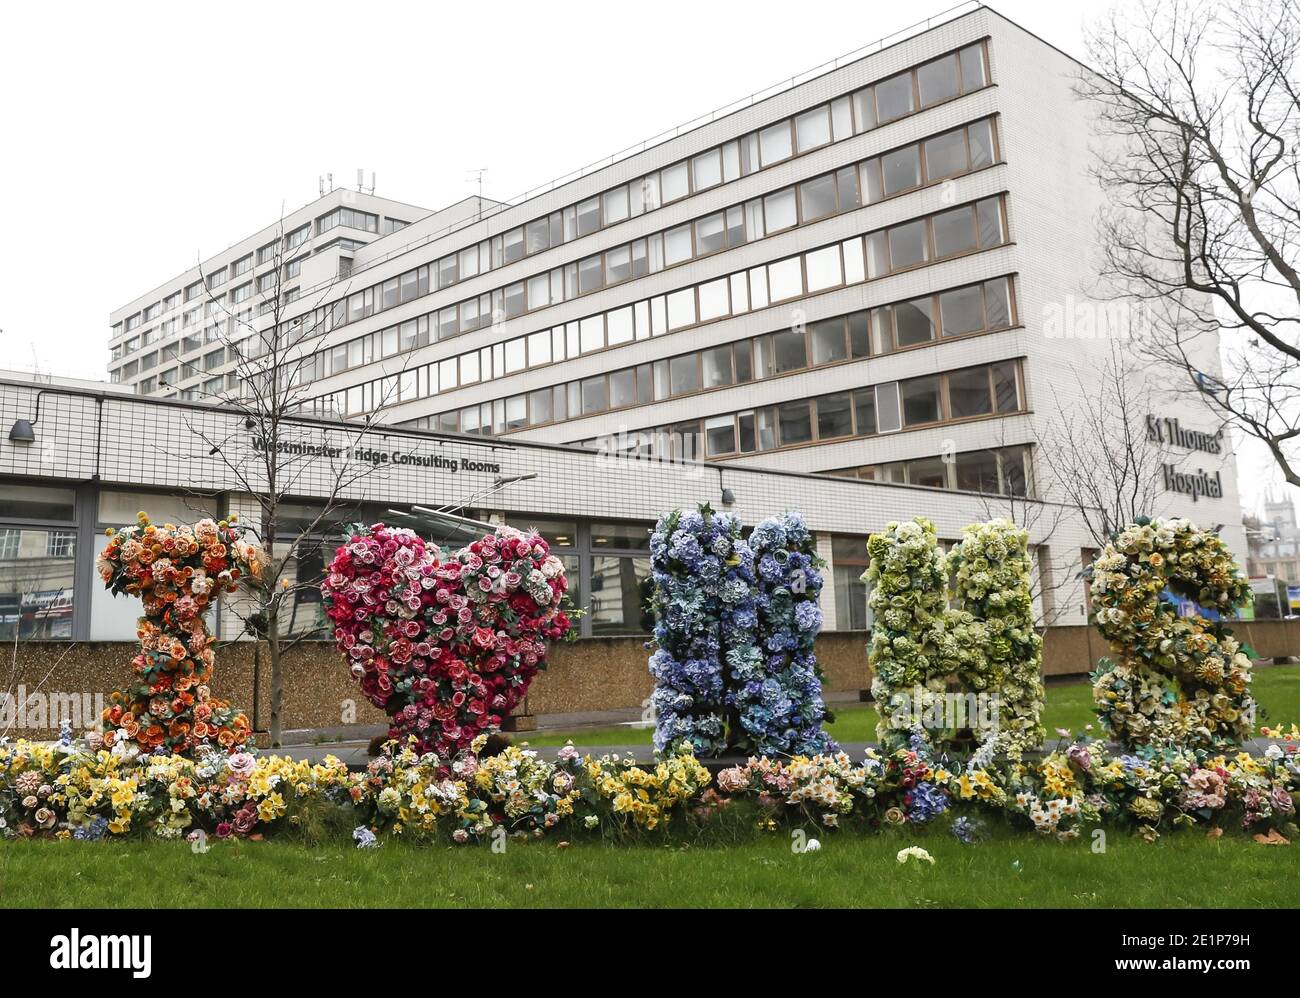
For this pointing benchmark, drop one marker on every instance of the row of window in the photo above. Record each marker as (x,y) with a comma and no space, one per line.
(1002,471)
(954,232)
(961,311)
(366,221)
(919,164)
(353,218)
(908,92)
(905,93)
(959,150)
(958,311)
(876,409)
(234,320)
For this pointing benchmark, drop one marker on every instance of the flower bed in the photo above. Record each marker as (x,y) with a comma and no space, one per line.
(82,790)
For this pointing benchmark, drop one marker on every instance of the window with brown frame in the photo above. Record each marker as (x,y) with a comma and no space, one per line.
(819,343)
(1002,471)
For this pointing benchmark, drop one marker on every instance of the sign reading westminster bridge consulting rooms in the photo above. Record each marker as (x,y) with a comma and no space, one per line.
(374,450)
(1168,431)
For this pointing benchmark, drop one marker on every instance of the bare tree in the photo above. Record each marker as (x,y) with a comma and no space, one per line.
(273,452)
(1199,105)
(1100,457)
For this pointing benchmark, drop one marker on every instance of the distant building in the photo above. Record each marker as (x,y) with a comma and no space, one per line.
(1273,540)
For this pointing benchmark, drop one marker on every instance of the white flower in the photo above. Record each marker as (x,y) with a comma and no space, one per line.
(812,845)
(1274,751)
(916,853)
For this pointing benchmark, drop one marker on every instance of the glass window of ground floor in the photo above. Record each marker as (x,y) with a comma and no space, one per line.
(38,558)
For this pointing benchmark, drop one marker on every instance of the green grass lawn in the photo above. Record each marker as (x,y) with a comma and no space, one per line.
(1277,688)
(849,870)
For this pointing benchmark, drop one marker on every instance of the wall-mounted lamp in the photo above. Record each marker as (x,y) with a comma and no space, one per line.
(728,497)
(24,431)
(21,432)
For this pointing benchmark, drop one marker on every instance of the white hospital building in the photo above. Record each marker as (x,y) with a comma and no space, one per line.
(863,295)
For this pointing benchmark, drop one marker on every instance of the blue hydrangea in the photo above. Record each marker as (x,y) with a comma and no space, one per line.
(965,830)
(92,832)
(808,616)
(735,624)
(704,617)
(783,714)
(925,802)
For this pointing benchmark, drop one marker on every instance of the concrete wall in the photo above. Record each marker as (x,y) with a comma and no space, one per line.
(587,675)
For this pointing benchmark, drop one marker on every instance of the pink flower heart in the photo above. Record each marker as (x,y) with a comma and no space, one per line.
(428,675)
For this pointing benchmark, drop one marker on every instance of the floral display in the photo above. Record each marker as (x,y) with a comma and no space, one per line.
(87,791)
(415,794)
(1178,681)
(84,790)
(178,572)
(1074,787)
(780,707)
(522,793)
(420,794)
(643,798)
(818,789)
(735,624)
(986,641)
(705,621)
(1154,789)
(912,647)
(445,644)
(991,581)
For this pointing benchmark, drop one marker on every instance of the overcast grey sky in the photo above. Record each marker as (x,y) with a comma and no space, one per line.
(141,136)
